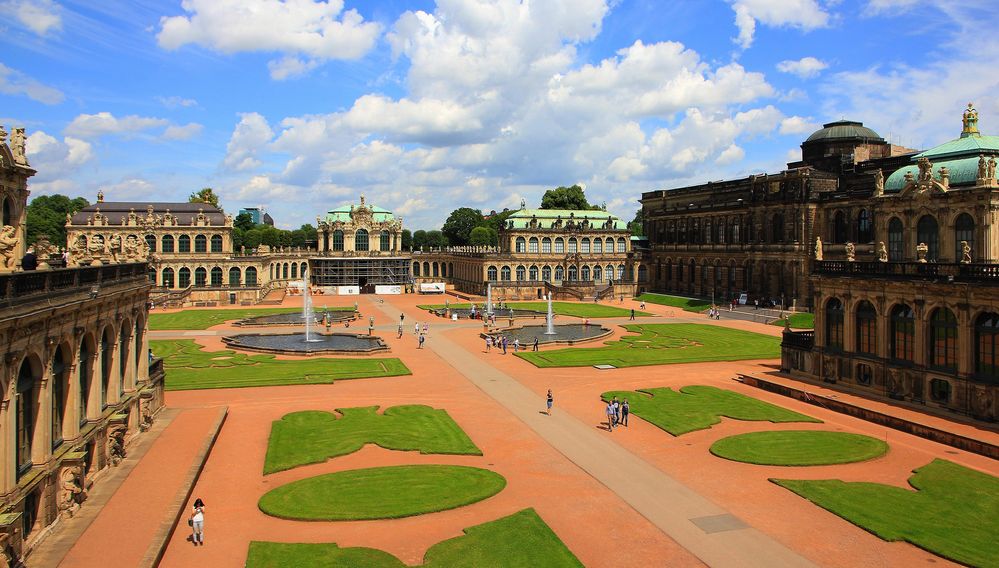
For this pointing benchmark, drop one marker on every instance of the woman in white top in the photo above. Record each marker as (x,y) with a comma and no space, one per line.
(198,522)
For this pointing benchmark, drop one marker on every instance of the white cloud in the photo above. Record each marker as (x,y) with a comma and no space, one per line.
(57,161)
(320,30)
(177,102)
(185,132)
(875,7)
(290,66)
(797,125)
(14,82)
(730,155)
(130,189)
(804,14)
(806,67)
(104,123)
(247,138)
(39,16)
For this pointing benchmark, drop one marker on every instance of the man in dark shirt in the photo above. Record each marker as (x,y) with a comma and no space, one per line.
(29,261)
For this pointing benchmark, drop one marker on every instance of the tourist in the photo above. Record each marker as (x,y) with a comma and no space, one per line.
(400,332)
(426,328)
(197,523)
(632,314)
(617,411)
(586,322)
(504,345)
(416,328)
(422,339)
(641,306)
(29,261)
(489,343)
(402,318)
(550,402)
(625,411)
(756,304)
(610,416)
(516,344)
(535,347)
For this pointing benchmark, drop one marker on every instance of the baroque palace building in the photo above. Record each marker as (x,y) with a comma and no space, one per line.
(893,250)
(78,383)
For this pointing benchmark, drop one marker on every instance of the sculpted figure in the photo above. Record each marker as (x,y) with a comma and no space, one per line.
(925,169)
(983,171)
(965,253)
(991,173)
(71,487)
(818,248)
(8,246)
(882,252)
(851,252)
(116,444)
(879,183)
(921,250)
(17,146)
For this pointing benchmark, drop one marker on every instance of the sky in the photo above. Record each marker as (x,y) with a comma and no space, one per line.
(300,106)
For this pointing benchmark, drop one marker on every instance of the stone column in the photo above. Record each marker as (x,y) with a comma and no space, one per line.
(8,425)
(41,440)
(96,375)
(143,365)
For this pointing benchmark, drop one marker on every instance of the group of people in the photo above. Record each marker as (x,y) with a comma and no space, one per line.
(617,413)
(714,313)
(501,342)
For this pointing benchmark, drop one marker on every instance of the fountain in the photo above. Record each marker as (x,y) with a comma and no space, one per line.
(550,318)
(307,308)
(489,299)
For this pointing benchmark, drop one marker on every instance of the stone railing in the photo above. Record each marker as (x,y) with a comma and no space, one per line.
(803,340)
(20,286)
(951,272)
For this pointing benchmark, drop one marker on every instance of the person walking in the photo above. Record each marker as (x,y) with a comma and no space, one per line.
(535,347)
(625,411)
(504,344)
(632,314)
(426,328)
(400,331)
(516,344)
(422,339)
(617,411)
(610,416)
(416,328)
(29,261)
(489,343)
(550,401)
(197,523)
(402,319)
(641,306)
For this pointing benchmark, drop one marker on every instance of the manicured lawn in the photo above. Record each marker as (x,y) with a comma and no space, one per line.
(575,309)
(953,513)
(189,367)
(521,540)
(798,321)
(697,407)
(659,344)
(204,319)
(799,447)
(381,493)
(314,436)
(686,304)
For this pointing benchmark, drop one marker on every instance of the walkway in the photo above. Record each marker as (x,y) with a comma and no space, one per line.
(706,530)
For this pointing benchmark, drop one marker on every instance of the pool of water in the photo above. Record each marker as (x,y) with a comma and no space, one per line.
(466,313)
(296,318)
(568,333)
(295,344)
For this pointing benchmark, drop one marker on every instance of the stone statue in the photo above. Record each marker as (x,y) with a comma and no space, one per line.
(8,247)
(983,167)
(6,558)
(146,415)
(116,444)
(909,177)
(818,248)
(43,251)
(921,250)
(71,486)
(969,120)
(114,247)
(879,183)
(3,135)
(130,248)
(991,173)
(17,146)
(882,252)
(925,169)
(965,252)
(851,252)
(944,176)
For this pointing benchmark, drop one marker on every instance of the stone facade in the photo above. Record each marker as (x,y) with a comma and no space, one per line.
(15,171)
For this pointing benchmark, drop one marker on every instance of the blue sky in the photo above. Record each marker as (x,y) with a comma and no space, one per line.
(301,105)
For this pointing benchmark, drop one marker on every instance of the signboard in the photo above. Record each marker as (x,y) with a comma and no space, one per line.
(388,289)
(743,298)
(432,288)
(348,290)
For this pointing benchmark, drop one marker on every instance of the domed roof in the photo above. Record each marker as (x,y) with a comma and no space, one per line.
(844,130)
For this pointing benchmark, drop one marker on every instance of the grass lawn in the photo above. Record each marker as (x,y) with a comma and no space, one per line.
(697,407)
(799,447)
(798,321)
(953,513)
(659,344)
(521,540)
(188,367)
(576,309)
(381,493)
(686,304)
(204,319)
(313,436)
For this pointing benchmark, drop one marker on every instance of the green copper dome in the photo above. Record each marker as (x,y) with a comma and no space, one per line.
(844,130)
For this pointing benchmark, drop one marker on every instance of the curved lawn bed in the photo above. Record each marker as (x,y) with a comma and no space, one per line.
(381,493)
(799,448)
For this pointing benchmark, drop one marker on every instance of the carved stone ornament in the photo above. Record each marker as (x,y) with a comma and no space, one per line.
(116,444)
(851,252)
(818,248)
(921,251)
(879,183)
(965,252)
(882,252)
(8,247)
(71,492)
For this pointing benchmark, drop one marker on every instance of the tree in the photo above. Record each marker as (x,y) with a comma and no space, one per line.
(436,240)
(460,223)
(206,195)
(419,239)
(407,240)
(243,221)
(571,197)
(497,221)
(637,227)
(481,236)
(310,233)
(298,238)
(46,215)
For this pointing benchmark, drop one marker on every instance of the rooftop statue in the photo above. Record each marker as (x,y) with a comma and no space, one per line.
(970,122)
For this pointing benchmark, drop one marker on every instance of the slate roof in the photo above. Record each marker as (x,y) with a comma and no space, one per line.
(115,211)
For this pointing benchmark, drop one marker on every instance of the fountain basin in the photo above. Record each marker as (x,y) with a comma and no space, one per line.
(466,313)
(296,319)
(566,334)
(319,344)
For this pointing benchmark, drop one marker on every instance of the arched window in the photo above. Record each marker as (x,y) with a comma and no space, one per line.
(8,212)
(643,273)
(573,248)
(609,273)
(731,275)
(692,272)
(903,332)
(200,243)
(609,245)
(839,227)
(546,273)
(416,269)
(964,230)
(361,240)
(234,277)
(559,274)
(107,351)
(338,240)
(987,346)
(183,243)
(533,273)
(437,270)
(584,246)
(532,245)
(200,277)
(444,269)
(152,274)
(505,273)
(943,339)
(867,328)
(598,246)
(60,380)
(184,277)
(294,270)
(834,324)
(216,243)
(123,345)
(167,243)
(622,246)
(559,245)
(896,240)
(24,401)
(778,228)
(926,232)
(521,244)
(83,369)
(301,268)
(521,273)
(284,271)
(167,278)
(679,270)
(584,273)
(151,242)
(491,274)
(573,274)
(620,272)
(598,273)
(216,277)
(426,268)
(546,245)
(865,233)
(385,243)
(251,276)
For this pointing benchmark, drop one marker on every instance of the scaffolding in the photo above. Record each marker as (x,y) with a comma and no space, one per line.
(359,271)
